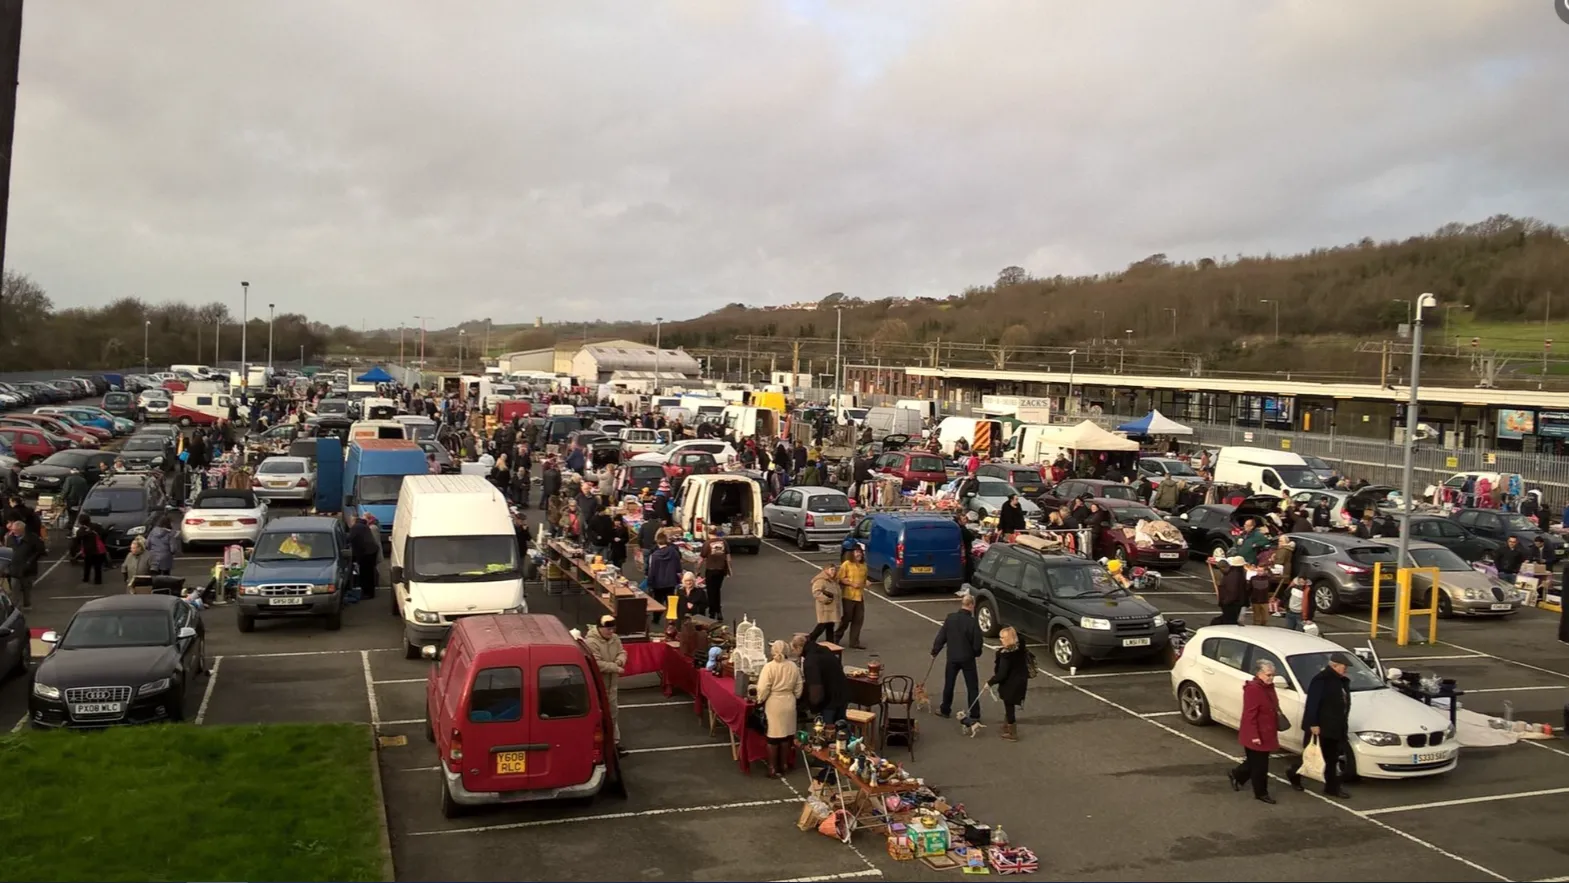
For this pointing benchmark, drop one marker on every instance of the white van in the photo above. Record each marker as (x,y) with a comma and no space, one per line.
(704,408)
(454,554)
(1030,443)
(377,408)
(927,407)
(660,403)
(1267,471)
(893,421)
(561,411)
(732,504)
(200,408)
(364,429)
(951,429)
(741,421)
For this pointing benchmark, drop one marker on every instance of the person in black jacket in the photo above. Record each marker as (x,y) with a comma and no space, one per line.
(961,637)
(87,543)
(1509,560)
(827,692)
(1010,678)
(365,547)
(600,531)
(1010,519)
(1326,714)
(549,481)
(1233,591)
(27,549)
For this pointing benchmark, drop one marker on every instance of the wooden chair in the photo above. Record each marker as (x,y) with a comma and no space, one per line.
(898,712)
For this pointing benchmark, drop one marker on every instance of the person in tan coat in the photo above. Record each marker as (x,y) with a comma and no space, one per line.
(611,658)
(779,685)
(825,597)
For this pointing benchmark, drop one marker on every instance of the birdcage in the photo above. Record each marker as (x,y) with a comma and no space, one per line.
(751,649)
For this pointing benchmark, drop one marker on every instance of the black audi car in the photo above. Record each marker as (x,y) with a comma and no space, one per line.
(124,659)
(145,452)
(47,477)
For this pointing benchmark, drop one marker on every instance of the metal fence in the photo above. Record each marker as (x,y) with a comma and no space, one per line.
(1378,461)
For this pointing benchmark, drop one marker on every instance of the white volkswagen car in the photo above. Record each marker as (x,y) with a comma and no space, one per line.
(223,517)
(1392,735)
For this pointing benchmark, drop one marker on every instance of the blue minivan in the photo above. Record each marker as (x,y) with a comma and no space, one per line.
(912,550)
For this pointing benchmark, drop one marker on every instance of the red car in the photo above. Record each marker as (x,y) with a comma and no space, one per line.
(1119,541)
(97,432)
(30,443)
(53,424)
(913,467)
(688,462)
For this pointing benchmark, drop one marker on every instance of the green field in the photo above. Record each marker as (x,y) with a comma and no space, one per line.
(281,802)
(1523,338)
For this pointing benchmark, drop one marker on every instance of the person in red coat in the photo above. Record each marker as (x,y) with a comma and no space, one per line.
(1257,732)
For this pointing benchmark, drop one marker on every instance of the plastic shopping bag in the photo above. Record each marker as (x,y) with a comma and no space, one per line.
(1312,761)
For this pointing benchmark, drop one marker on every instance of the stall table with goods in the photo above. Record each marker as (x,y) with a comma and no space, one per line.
(852,788)
(632,608)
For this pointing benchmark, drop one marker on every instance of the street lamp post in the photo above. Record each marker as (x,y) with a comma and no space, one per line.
(1265,300)
(422,342)
(245,315)
(1067,404)
(659,322)
(269,335)
(147,327)
(838,359)
(1426,301)
(461,332)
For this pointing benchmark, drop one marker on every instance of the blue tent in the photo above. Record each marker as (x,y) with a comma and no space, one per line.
(374,375)
(1154,423)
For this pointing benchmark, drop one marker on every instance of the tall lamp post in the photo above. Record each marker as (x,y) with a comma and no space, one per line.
(269,337)
(147,327)
(245,316)
(659,322)
(422,342)
(1265,300)
(1425,302)
(1067,403)
(838,359)
(461,332)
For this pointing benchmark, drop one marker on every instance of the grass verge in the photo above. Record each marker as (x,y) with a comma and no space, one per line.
(277,802)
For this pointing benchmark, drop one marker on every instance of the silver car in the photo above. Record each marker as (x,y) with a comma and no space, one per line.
(985,496)
(1464,591)
(285,478)
(808,515)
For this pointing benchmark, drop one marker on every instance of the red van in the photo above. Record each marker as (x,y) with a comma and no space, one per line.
(518,713)
(507,411)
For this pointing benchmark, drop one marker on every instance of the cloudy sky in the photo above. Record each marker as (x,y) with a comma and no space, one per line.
(366,161)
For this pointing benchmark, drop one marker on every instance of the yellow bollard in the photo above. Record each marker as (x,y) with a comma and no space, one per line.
(1403,611)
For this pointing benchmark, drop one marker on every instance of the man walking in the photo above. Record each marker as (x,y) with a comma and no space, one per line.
(1326,714)
(27,549)
(961,637)
(365,546)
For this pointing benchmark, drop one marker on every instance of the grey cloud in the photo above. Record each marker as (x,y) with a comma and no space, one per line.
(366,161)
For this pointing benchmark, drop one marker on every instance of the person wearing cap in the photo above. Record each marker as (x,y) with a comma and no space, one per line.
(1326,715)
(611,657)
(1232,593)
(365,547)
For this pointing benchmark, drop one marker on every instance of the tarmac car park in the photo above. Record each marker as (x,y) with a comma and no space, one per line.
(1100,744)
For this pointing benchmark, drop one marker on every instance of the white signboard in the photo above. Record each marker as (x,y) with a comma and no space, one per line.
(1012,404)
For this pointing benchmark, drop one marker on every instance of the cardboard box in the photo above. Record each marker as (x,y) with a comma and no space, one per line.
(927,839)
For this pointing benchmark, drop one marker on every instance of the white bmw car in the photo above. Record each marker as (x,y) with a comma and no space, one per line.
(1392,735)
(223,517)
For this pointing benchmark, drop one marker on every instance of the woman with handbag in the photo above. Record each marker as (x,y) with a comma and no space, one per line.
(1258,732)
(825,600)
(779,685)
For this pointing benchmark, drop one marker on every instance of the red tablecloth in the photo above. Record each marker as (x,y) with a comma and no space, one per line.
(719,695)
(662,658)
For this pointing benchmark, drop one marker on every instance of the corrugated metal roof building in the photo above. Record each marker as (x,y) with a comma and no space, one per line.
(596,363)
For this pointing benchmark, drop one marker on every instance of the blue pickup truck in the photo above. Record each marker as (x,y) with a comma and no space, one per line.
(301,567)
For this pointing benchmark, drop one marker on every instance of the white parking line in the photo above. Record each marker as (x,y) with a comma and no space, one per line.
(370,690)
(1186,594)
(401,681)
(1114,674)
(212,678)
(74,597)
(678,748)
(823,878)
(1517,689)
(419,769)
(395,723)
(1503,659)
(308,653)
(1464,801)
(687,703)
(1545,747)
(17,727)
(1388,659)
(612,816)
(1412,838)
(1151,714)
